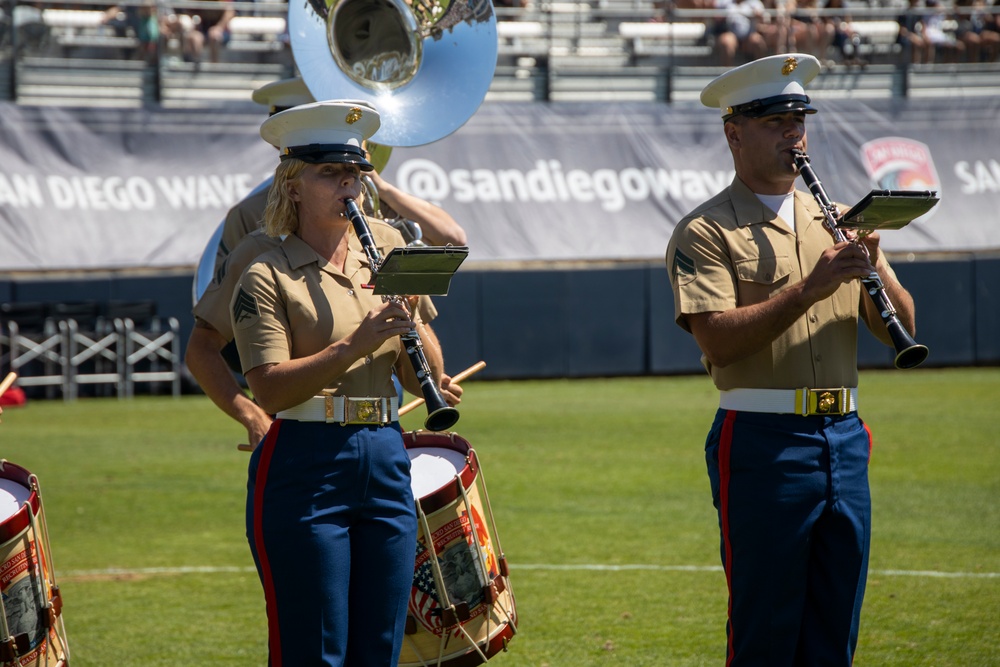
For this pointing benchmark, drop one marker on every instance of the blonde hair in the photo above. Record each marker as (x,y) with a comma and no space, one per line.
(281,216)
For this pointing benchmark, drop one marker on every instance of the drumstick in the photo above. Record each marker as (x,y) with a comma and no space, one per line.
(471,370)
(7,382)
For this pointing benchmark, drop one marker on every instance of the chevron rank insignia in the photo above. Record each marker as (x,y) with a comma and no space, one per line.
(245,311)
(684,266)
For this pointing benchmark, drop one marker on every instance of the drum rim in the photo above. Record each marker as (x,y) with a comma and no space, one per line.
(450,491)
(18,522)
(470,658)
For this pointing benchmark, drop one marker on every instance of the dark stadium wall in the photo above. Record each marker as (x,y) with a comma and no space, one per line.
(600,322)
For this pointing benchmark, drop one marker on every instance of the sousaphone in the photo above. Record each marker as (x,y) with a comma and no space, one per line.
(425,65)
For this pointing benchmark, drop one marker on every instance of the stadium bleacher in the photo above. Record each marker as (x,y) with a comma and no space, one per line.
(67,53)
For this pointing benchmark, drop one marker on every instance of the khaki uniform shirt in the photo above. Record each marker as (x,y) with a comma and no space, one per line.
(734,251)
(291,303)
(243,218)
(213,306)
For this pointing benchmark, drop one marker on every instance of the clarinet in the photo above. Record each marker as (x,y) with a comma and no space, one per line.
(440,415)
(909,353)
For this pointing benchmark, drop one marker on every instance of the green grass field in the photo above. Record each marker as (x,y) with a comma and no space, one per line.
(602,504)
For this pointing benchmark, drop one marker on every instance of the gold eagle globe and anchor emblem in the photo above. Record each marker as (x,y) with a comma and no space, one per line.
(789,66)
(826,402)
(353,116)
(366,410)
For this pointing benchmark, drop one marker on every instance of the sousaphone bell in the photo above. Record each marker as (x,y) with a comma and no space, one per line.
(425,66)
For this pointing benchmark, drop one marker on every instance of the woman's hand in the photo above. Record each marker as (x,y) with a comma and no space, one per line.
(381,324)
(871,243)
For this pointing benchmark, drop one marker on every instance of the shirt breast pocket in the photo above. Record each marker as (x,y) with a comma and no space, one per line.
(762,277)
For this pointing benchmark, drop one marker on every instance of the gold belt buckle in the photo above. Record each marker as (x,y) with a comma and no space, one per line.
(827,402)
(362,410)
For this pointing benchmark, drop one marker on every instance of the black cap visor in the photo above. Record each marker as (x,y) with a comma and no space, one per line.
(323,153)
(771,105)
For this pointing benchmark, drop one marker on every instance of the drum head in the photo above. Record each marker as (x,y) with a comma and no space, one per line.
(432,468)
(12,497)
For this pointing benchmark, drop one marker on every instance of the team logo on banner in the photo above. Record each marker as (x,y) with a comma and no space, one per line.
(895,163)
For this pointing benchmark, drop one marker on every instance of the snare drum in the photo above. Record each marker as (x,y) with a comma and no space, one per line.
(31,627)
(461,609)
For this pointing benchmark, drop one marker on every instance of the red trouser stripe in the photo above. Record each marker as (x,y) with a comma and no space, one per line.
(871,441)
(270,599)
(725,445)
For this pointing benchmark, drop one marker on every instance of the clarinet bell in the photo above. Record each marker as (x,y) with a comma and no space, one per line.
(909,353)
(441,418)
(912,357)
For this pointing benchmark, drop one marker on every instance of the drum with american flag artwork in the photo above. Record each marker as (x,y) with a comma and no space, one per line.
(462,609)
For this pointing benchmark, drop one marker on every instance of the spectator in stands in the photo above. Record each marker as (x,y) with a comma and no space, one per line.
(778,31)
(845,40)
(992,24)
(977,31)
(714,26)
(23,26)
(210,28)
(812,33)
(740,34)
(940,40)
(795,26)
(911,35)
(662,7)
(144,22)
(510,4)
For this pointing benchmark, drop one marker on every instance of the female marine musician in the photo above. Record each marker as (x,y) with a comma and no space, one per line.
(330,514)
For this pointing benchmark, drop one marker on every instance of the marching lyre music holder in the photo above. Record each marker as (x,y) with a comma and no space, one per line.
(909,353)
(888,209)
(418,270)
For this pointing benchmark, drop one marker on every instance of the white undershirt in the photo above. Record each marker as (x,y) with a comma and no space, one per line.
(783,205)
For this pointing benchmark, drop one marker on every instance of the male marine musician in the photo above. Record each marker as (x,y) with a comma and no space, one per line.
(773,303)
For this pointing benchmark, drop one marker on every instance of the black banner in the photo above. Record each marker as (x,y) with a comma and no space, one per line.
(139,188)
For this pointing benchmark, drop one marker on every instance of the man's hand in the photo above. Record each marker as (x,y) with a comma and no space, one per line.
(450,391)
(838,264)
(257,426)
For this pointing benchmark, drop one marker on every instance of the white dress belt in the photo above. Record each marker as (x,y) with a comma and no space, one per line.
(805,401)
(344,410)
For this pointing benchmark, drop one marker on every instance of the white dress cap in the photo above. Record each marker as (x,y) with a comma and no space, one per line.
(332,131)
(283,94)
(770,85)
